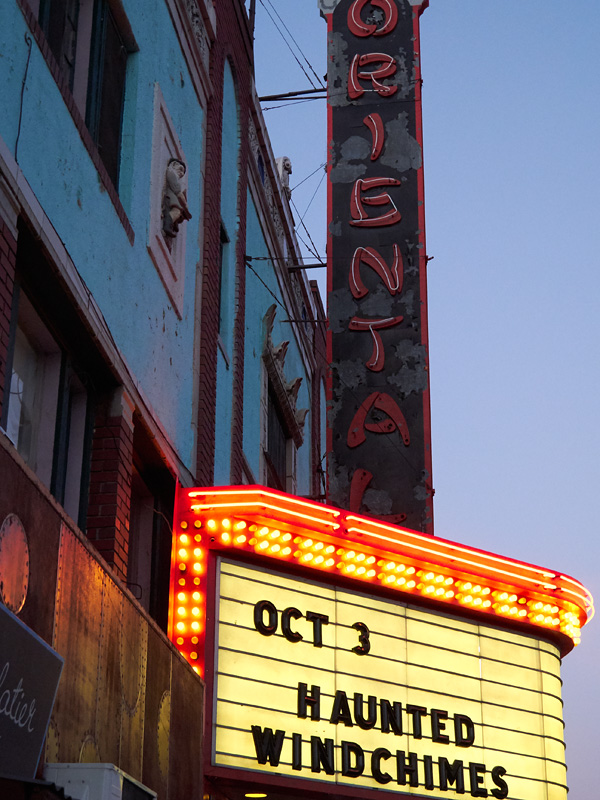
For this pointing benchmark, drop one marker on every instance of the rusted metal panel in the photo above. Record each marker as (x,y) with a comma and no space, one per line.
(157,726)
(187,719)
(78,637)
(133,653)
(117,701)
(108,704)
(41,524)
(378,415)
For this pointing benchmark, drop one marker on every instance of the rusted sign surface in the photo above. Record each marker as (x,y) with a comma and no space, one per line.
(379,422)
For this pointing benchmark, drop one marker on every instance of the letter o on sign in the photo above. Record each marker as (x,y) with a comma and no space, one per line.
(269,628)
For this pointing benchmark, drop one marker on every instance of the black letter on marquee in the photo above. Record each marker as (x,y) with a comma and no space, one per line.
(259,609)
(296,751)
(378,754)
(348,749)
(428,764)
(341,710)
(321,753)
(477,790)
(437,726)
(463,739)
(290,635)
(502,790)
(451,774)
(313,700)
(412,768)
(417,712)
(363,637)
(268,747)
(365,724)
(317,620)
(391,717)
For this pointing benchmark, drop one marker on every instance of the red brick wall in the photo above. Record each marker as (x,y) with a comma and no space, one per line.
(110,484)
(233,44)
(8,257)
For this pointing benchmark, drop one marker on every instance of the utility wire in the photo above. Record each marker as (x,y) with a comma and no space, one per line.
(274,296)
(288,45)
(293,103)
(313,197)
(294,98)
(314,172)
(319,80)
(308,247)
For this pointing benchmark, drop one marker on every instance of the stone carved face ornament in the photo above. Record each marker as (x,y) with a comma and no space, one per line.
(284,168)
(174,206)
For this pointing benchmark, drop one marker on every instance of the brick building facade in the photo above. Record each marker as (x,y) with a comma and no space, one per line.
(140,347)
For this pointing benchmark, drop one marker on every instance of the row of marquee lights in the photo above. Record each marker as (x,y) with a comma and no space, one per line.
(263,522)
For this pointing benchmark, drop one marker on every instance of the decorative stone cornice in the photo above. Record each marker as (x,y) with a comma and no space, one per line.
(286,392)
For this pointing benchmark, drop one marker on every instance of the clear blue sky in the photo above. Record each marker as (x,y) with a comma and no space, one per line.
(511,104)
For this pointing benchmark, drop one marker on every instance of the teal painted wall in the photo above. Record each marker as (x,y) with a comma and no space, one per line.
(157,345)
(230,178)
(258,300)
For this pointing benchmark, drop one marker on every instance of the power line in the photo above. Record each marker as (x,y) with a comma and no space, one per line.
(293,103)
(288,45)
(313,197)
(268,97)
(314,172)
(319,80)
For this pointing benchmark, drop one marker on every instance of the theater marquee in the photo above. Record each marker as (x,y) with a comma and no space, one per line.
(348,689)
(345,654)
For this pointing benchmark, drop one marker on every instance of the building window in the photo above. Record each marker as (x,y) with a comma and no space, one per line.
(91,40)
(48,414)
(225,291)
(106,87)
(59,20)
(280,453)
(150,534)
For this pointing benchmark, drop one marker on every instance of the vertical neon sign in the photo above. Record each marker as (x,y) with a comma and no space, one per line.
(379,422)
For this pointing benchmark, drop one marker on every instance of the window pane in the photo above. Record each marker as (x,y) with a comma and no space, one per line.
(277,444)
(106,88)
(113,92)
